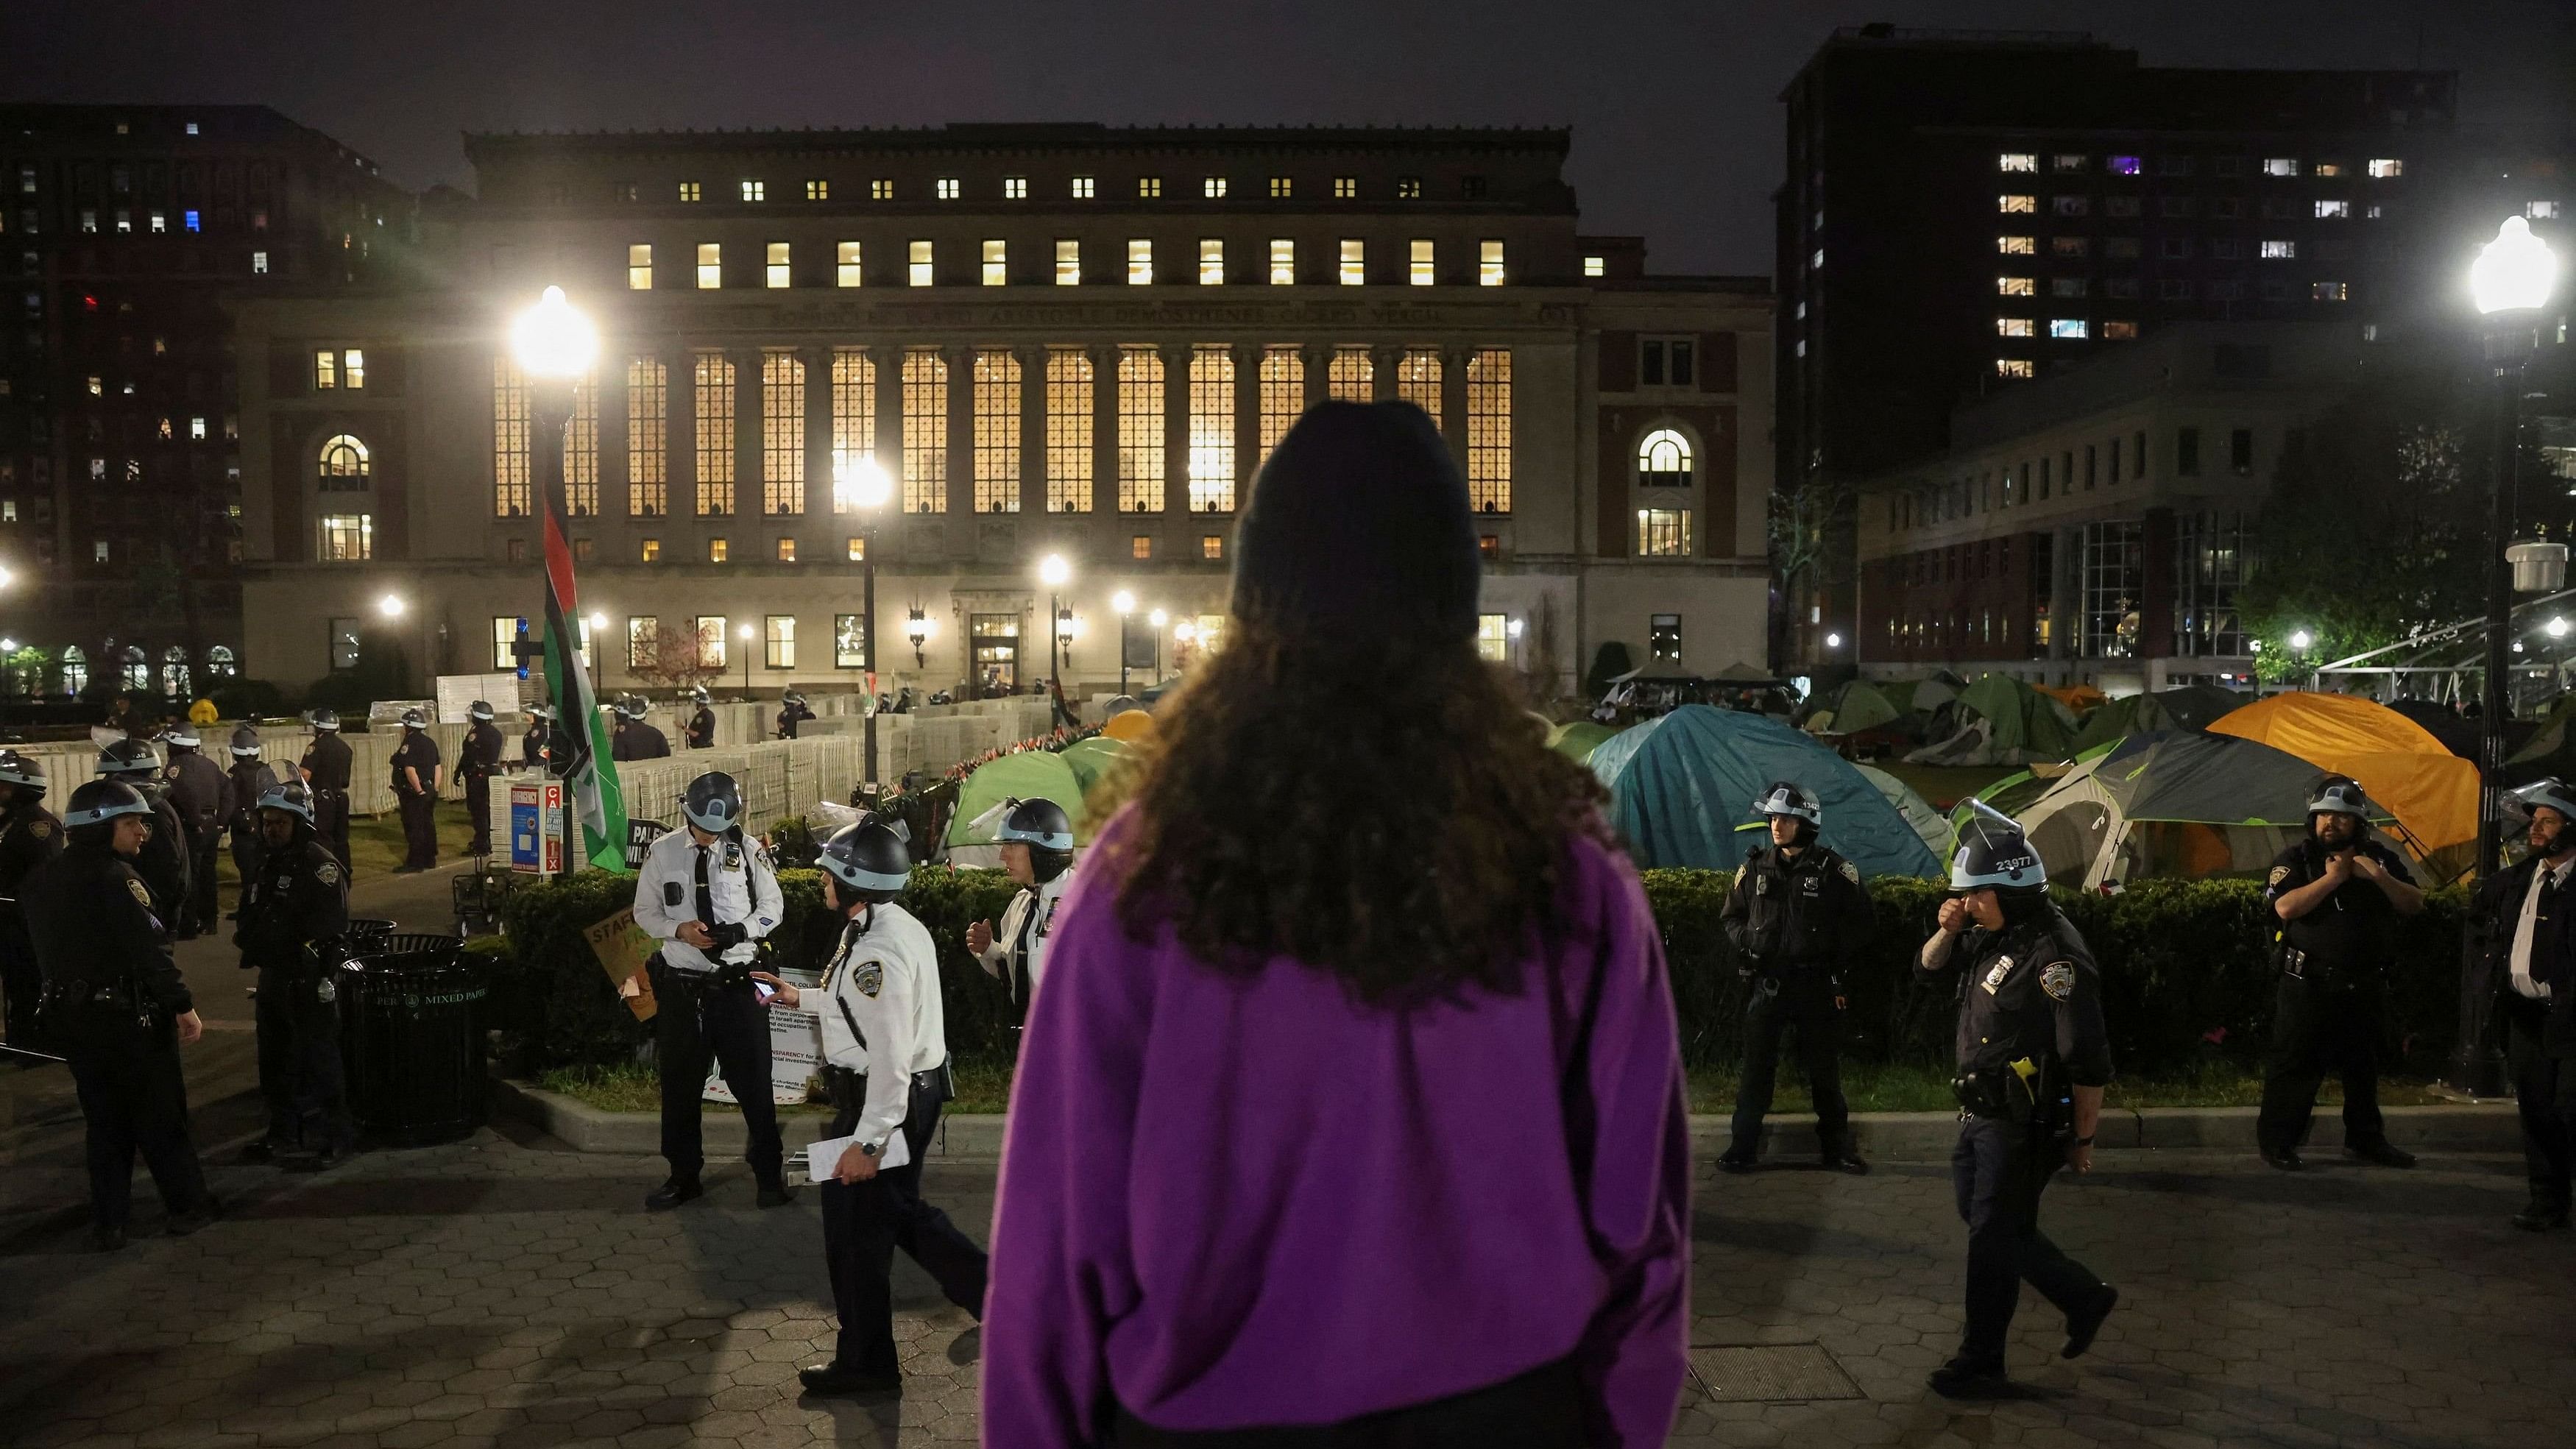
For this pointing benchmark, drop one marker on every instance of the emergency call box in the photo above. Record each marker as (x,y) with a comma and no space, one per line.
(537,826)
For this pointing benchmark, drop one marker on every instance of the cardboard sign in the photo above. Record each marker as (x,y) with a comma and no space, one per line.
(621,948)
(795,1046)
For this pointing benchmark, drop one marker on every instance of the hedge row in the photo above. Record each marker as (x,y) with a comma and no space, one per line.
(2187,977)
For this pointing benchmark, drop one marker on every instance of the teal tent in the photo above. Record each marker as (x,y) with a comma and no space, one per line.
(1681,783)
(1578,739)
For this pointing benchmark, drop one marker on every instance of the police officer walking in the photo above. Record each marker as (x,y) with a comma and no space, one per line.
(2527,928)
(1037,850)
(885,1054)
(1798,917)
(30,836)
(163,861)
(476,764)
(2033,1058)
(415,770)
(201,794)
(709,896)
(251,778)
(2338,895)
(325,768)
(638,740)
(116,1003)
(293,914)
(702,722)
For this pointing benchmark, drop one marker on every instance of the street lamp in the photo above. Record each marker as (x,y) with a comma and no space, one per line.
(744,634)
(391,606)
(917,628)
(1122,603)
(555,347)
(1158,619)
(1055,573)
(861,485)
(2300,639)
(598,667)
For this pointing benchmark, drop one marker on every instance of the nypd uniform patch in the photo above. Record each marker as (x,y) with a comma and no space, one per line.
(328,872)
(40,828)
(141,896)
(1851,872)
(1996,973)
(2280,873)
(2057,978)
(870,979)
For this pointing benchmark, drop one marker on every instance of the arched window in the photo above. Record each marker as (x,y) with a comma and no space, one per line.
(1664,460)
(344,463)
(132,669)
(221,665)
(75,670)
(174,672)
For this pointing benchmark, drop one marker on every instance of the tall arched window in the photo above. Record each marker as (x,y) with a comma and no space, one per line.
(174,672)
(221,664)
(75,670)
(1664,460)
(344,463)
(132,669)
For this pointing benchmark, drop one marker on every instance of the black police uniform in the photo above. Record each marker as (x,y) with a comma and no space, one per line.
(326,772)
(702,729)
(645,742)
(113,997)
(251,778)
(201,794)
(30,837)
(2030,993)
(2539,1030)
(2327,1016)
(419,807)
(292,916)
(477,763)
(789,717)
(1796,923)
(163,861)
(532,747)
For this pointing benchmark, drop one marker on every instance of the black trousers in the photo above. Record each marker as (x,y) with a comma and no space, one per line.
(2544,1089)
(1541,1409)
(22,982)
(729,1027)
(420,829)
(300,1073)
(864,1222)
(247,854)
(1808,1009)
(134,1098)
(478,809)
(331,825)
(2316,1030)
(1998,1170)
(201,877)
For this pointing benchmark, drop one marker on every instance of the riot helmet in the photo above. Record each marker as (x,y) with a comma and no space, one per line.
(127,759)
(1045,829)
(2341,795)
(480,709)
(245,743)
(698,694)
(1785,798)
(1993,853)
(326,721)
(290,797)
(181,737)
(90,817)
(412,719)
(25,774)
(715,803)
(870,860)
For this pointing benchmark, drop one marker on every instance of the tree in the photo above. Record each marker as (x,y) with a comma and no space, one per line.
(686,668)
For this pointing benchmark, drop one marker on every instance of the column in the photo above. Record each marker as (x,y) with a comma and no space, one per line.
(961,446)
(818,444)
(1383,362)
(2156,589)
(1319,366)
(1176,451)
(1104,432)
(1453,401)
(1033,428)
(1247,419)
(749,478)
(888,362)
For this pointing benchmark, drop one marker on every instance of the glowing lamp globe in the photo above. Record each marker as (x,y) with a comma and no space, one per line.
(2514,273)
(552,340)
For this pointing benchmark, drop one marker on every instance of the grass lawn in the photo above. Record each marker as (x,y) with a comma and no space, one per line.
(1945,785)
(376,842)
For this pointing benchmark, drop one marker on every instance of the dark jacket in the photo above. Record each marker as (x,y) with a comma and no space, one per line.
(1790,918)
(300,897)
(250,780)
(29,837)
(702,729)
(789,717)
(2495,914)
(326,761)
(420,753)
(480,759)
(163,861)
(640,741)
(2030,990)
(103,950)
(199,791)
(2352,936)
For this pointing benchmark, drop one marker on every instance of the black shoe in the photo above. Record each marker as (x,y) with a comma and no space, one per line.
(1736,1160)
(106,1240)
(673,1193)
(2382,1153)
(830,1380)
(1965,1379)
(1843,1159)
(775,1194)
(204,1213)
(2541,1217)
(2284,1158)
(2086,1321)
(262,1150)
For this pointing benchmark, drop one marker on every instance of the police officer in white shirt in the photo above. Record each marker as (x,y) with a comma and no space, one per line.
(709,896)
(885,1054)
(1037,849)
(2529,931)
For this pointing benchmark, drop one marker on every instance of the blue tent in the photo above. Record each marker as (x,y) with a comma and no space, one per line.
(1681,784)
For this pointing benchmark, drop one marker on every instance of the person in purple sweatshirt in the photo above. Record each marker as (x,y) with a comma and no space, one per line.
(1352,1100)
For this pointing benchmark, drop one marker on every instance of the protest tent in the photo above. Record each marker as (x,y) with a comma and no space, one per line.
(1028,775)
(2432,792)
(1577,739)
(1680,784)
(2185,707)
(2006,723)
(1091,760)
(1928,823)
(1858,705)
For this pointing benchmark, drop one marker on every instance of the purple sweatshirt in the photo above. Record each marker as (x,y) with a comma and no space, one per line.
(1231,1201)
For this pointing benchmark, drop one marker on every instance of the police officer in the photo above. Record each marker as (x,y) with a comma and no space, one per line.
(1798,918)
(325,768)
(2338,895)
(414,764)
(201,794)
(708,896)
(2528,964)
(163,861)
(293,914)
(251,778)
(29,837)
(2033,1058)
(885,1055)
(116,1003)
(791,713)
(702,722)
(532,740)
(1037,850)
(638,741)
(476,764)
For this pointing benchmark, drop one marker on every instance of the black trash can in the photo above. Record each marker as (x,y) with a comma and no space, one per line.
(411,1038)
(367,936)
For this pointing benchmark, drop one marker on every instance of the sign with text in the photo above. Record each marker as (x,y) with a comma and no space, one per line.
(795,1046)
(622,947)
(537,826)
(640,835)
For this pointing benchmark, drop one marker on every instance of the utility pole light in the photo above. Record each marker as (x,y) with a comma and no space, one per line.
(1055,573)
(860,485)
(1123,603)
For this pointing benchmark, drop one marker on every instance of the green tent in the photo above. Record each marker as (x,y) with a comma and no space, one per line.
(1031,774)
(2189,707)
(1577,739)
(2007,723)
(1929,824)
(1858,705)
(1091,761)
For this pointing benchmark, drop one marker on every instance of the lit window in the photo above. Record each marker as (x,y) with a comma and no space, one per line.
(997,266)
(259,264)
(89,220)
(639,267)
(714,397)
(326,371)
(2385,167)
(2333,210)
(2017,161)
(689,191)
(1211,476)
(2017,246)
(710,266)
(1489,431)
(1212,187)
(1664,460)
(1408,188)
(2277,251)
(782,432)
(818,190)
(946,188)
(1345,188)
(2012,327)
(1070,401)
(2016,287)
(2016,203)
(648,433)
(1663,532)
(786,552)
(855,549)
(353,367)
(2119,332)
(2068,161)
(1283,262)
(996,457)
(881,189)
(846,268)
(2070,327)
(917,265)
(710,629)
(643,644)
(124,222)
(854,418)
(197,429)
(160,223)
(1281,188)
(189,220)
(1140,261)
(1489,263)
(776,271)
(1417,381)
(925,431)
(343,538)
(1419,270)
(717,550)
(2124,165)
(1140,546)
(2331,291)
(343,465)
(1211,545)
(755,190)
(1015,188)
(1596,266)
(1140,431)
(1211,261)
(651,551)
(1282,386)
(1068,262)
(2281,166)
(192,128)
(1354,262)
(2012,367)
(1149,188)
(2542,211)
(1351,376)
(98,550)
(2330,168)
(1083,188)
(512,494)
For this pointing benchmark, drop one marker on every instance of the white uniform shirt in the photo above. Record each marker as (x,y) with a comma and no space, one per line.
(1026,924)
(882,1013)
(740,881)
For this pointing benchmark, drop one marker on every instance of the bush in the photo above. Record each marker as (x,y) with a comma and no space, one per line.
(248,699)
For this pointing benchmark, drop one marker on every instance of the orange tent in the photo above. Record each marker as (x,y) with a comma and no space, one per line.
(2432,792)
(2077,697)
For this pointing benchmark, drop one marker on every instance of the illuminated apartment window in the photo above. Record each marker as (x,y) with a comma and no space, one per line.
(2012,327)
(2017,246)
(881,189)
(2016,204)
(1140,546)
(1345,188)
(648,404)
(160,223)
(1354,261)
(344,465)
(925,431)
(511,494)
(1068,262)
(945,188)
(2331,291)
(2281,166)
(2542,211)
(344,538)
(259,264)
(2119,332)
(2012,367)
(2016,287)
(1140,261)
(651,551)
(639,267)
(1596,266)
(1015,188)
(1211,261)
(1408,188)
(1083,188)
(2334,210)
(712,391)
(718,551)
(2386,167)
(2280,251)
(1351,376)
(1663,532)
(755,191)
(782,432)
(710,266)
(326,372)
(643,642)
(854,549)
(917,265)
(1489,431)
(1417,381)
(689,191)
(1211,545)
(2068,327)
(711,639)
(581,449)
(1419,268)
(775,271)
(1283,394)
(854,420)
(846,268)
(1212,187)
(1493,637)
(2123,166)
(1212,429)
(1489,263)
(1140,430)
(818,190)
(1283,261)
(787,550)
(2017,161)
(1281,188)
(1069,400)
(997,262)
(1149,188)
(996,423)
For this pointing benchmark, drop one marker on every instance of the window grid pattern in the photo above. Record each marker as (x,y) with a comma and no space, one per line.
(1069,398)
(581,450)
(510,487)
(1417,381)
(778,637)
(1283,394)
(782,432)
(997,432)
(648,411)
(347,538)
(1283,261)
(343,465)
(925,431)
(1212,429)
(854,416)
(1352,377)
(714,395)
(848,269)
(1663,532)
(643,643)
(1140,430)
(1489,431)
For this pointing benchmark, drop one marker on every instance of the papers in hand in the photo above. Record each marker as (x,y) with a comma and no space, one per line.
(823,1158)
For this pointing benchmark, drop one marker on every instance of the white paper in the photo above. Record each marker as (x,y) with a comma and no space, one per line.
(823,1158)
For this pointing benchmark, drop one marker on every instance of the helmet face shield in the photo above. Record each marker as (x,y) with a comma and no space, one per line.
(1993,853)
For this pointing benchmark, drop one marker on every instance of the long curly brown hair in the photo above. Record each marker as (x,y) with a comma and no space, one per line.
(1382,809)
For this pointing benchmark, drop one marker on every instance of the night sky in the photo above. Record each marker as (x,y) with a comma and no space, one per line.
(1674,104)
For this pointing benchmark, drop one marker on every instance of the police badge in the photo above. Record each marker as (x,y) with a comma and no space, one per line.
(1996,973)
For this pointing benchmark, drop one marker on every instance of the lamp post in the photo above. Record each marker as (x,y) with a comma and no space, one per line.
(862,484)
(1055,573)
(1158,619)
(1122,603)
(598,622)
(2511,282)
(555,345)
(744,634)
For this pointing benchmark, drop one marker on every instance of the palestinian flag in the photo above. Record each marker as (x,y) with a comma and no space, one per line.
(591,795)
